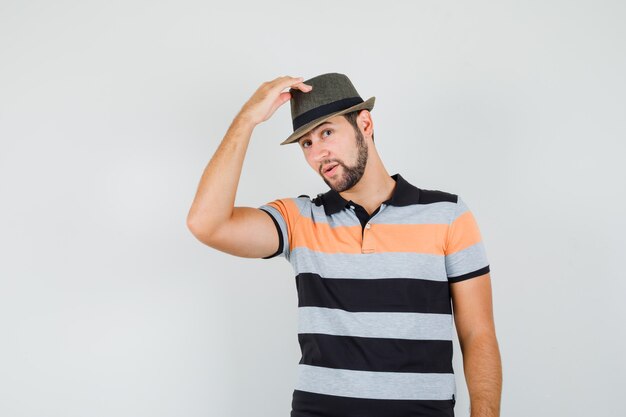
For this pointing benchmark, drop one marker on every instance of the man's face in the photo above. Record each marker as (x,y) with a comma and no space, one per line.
(336,142)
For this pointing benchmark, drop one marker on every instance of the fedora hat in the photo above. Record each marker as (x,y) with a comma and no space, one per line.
(332,94)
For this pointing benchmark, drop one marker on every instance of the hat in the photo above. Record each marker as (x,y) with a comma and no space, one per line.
(332,94)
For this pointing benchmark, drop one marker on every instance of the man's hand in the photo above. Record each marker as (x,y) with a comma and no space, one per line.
(269,96)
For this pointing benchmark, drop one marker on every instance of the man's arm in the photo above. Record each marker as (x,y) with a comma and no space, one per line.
(212,218)
(473,316)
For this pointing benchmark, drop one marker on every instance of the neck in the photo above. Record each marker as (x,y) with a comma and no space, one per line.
(374,187)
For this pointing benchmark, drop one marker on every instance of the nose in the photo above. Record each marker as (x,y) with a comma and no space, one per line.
(320,152)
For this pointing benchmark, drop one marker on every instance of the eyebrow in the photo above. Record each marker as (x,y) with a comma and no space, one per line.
(315,130)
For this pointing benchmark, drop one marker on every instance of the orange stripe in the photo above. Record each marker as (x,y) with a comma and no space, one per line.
(290,212)
(464,232)
(420,238)
(321,237)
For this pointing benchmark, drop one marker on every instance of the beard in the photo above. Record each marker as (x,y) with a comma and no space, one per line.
(351,175)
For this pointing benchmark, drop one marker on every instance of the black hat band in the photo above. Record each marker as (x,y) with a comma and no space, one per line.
(325,109)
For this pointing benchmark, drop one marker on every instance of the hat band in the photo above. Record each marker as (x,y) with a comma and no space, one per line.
(325,109)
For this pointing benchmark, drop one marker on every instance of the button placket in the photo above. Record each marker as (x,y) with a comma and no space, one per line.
(367,244)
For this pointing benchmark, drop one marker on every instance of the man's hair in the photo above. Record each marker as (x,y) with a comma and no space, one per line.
(351,117)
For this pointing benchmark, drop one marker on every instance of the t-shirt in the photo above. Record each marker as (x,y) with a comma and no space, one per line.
(375,321)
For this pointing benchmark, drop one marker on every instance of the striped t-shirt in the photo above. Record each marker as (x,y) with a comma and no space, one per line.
(374,308)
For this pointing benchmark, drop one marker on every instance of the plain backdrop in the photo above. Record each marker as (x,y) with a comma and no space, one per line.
(110,111)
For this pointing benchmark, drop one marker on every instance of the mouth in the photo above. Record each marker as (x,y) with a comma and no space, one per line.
(330,170)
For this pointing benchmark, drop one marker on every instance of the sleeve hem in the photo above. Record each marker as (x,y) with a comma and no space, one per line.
(280,236)
(473,274)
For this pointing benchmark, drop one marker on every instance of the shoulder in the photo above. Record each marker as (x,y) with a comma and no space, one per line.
(443,202)
(290,205)
(407,192)
(436,196)
(318,199)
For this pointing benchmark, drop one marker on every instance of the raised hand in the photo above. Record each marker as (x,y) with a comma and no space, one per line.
(270,96)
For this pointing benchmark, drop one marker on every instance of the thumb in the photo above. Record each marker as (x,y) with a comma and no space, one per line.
(286,96)
(280,100)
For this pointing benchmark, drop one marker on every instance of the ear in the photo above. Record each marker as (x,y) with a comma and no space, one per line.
(364,120)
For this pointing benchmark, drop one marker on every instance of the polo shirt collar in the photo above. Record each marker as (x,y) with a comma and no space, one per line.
(404,194)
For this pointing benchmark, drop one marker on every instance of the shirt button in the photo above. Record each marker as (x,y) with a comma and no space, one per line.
(367,226)
(352,207)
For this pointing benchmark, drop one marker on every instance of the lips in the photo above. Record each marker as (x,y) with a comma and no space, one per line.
(329,166)
(330,169)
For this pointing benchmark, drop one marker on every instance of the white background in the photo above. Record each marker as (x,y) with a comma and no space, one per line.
(109,112)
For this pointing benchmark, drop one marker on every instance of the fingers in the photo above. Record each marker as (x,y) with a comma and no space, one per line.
(269,96)
(302,86)
(283,82)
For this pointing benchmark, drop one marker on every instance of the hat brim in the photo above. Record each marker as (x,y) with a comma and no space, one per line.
(368,104)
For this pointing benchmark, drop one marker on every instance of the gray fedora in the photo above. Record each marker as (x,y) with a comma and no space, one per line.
(332,94)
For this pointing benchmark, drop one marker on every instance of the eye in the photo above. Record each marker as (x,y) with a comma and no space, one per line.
(304,142)
(327,130)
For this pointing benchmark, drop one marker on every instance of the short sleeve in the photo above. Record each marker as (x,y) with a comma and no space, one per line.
(465,254)
(281,213)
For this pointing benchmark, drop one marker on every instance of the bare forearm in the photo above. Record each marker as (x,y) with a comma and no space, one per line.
(214,202)
(215,197)
(483,374)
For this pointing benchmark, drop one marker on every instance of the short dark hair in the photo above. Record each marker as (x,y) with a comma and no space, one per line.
(351,117)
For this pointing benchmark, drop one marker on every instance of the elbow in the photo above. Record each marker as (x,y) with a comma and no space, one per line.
(191,223)
(200,231)
(478,340)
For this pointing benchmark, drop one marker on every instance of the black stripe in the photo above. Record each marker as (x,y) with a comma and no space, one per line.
(477,273)
(325,109)
(280,237)
(374,295)
(376,354)
(310,404)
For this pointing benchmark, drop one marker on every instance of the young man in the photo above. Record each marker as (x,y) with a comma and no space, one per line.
(378,262)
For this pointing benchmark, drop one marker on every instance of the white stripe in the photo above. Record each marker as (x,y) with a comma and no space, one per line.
(370,265)
(414,326)
(467,260)
(375,385)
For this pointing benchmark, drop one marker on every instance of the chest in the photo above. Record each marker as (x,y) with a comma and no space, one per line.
(390,243)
